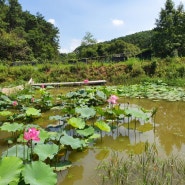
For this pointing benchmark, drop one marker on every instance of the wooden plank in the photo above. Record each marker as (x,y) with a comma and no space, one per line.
(96,82)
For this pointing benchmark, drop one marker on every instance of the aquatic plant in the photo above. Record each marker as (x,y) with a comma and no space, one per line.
(144,168)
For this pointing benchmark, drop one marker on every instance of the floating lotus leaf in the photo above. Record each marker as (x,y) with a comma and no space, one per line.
(101,94)
(10,169)
(33,112)
(73,142)
(86,132)
(5,113)
(102,126)
(12,127)
(85,112)
(38,173)
(57,117)
(62,166)
(94,136)
(21,151)
(45,151)
(76,122)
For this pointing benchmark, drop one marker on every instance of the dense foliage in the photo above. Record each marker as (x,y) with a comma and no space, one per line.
(169,34)
(24,36)
(27,37)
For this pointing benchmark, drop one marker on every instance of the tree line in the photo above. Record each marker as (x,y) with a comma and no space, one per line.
(27,37)
(167,39)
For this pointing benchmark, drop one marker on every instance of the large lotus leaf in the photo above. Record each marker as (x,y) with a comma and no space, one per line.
(21,151)
(43,135)
(45,151)
(102,126)
(38,173)
(76,122)
(86,132)
(137,113)
(33,112)
(5,113)
(12,127)
(85,112)
(73,142)
(10,169)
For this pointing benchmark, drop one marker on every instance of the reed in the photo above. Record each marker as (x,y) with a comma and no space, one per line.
(143,169)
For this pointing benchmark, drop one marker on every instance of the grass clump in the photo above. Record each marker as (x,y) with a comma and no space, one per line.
(143,169)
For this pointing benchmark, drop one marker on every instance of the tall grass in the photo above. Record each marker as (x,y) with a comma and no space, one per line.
(144,169)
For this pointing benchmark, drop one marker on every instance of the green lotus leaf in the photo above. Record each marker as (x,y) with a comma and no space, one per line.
(21,151)
(38,173)
(33,112)
(73,142)
(137,113)
(101,94)
(45,151)
(85,112)
(43,135)
(5,98)
(10,169)
(86,132)
(102,126)
(76,122)
(23,97)
(12,127)
(57,117)
(5,113)
(62,166)
(94,136)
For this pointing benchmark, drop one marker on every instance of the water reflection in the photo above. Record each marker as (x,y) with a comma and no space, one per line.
(168,135)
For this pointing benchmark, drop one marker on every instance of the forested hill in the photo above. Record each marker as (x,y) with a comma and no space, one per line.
(167,39)
(24,36)
(27,37)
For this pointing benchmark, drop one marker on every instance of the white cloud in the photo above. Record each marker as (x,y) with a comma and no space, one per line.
(117,22)
(52,21)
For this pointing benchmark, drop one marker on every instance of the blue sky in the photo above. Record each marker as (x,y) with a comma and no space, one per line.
(104,19)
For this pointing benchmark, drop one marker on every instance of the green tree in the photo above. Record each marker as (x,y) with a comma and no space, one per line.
(88,39)
(169,30)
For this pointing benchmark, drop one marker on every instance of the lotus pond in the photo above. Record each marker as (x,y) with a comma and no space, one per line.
(77,128)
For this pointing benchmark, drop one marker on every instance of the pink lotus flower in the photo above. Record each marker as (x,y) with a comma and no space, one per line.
(42,86)
(113,99)
(86,81)
(32,134)
(15,103)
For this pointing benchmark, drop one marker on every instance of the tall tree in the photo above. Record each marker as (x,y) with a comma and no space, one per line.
(169,30)
(88,39)
(14,15)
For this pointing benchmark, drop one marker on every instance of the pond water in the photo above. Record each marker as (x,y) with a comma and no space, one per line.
(168,135)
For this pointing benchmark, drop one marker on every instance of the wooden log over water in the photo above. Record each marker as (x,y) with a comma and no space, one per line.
(96,82)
